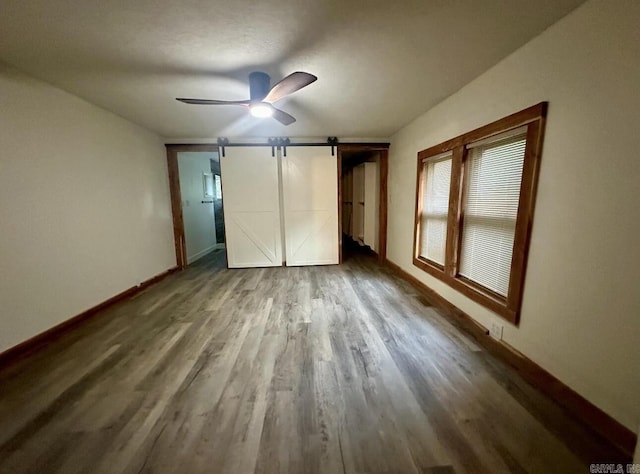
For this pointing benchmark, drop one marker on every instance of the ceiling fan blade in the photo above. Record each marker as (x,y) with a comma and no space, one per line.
(214,102)
(293,82)
(282,117)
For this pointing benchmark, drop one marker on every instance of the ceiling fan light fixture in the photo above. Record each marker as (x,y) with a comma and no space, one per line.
(261,110)
(262,97)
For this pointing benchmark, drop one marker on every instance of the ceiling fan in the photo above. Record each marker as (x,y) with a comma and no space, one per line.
(262,97)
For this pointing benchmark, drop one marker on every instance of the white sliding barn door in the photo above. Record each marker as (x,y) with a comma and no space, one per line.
(310,192)
(251,207)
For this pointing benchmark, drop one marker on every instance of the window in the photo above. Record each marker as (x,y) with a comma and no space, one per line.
(492,192)
(218,186)
(474,208)
(435,208)
(207,180)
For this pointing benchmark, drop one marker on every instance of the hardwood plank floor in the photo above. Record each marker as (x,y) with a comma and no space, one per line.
(337,369)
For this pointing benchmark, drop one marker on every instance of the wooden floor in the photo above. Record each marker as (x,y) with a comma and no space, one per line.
(338,369)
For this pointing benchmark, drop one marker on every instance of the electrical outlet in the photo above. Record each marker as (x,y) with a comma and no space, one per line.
(496,331)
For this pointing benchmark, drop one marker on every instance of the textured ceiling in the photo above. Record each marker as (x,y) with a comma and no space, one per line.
(379,63)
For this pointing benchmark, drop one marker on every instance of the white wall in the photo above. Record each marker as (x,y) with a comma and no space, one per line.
(581,309)
(199,219)
(84,206)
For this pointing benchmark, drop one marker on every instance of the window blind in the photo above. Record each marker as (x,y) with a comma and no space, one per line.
(493,179)
(435,208)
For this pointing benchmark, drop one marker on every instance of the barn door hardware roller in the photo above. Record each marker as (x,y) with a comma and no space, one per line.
(333,141)
(222,142)
(279,142)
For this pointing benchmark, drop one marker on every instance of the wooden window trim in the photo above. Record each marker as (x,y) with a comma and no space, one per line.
(507,307)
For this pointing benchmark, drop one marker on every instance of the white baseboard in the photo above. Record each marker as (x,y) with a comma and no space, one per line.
(202,253)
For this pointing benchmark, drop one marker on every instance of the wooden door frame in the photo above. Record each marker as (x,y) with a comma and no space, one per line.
(176,196)
(383,149)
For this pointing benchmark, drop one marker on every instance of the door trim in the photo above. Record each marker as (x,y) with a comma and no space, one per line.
(176,197)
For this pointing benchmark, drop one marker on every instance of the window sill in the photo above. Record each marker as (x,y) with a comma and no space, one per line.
(429,267)
(473,291)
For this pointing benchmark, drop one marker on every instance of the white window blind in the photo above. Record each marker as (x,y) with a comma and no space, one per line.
(436,174)
(493,178)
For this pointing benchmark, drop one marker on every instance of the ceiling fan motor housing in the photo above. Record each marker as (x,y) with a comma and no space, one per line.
(259,83)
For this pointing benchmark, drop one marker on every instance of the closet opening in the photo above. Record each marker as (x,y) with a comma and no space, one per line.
(363,200)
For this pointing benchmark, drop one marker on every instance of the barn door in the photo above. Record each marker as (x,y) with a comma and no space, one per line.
(310,195)
(251,207)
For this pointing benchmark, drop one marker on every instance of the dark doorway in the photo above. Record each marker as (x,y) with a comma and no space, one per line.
(363,199)
(217,203)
